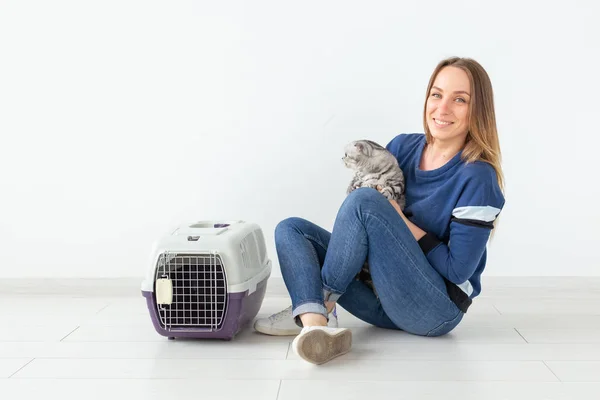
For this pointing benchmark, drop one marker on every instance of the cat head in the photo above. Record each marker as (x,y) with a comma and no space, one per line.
(361,154)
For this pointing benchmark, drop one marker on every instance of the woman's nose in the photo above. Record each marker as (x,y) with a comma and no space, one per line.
(444,107)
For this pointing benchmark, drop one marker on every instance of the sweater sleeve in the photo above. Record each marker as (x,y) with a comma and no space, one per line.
(395,145)
(478,205)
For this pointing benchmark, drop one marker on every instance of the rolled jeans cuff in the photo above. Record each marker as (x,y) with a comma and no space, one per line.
(308,308)
(330,295)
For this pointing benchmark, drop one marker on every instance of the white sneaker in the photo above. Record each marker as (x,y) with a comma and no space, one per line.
(319,344)
(282,323)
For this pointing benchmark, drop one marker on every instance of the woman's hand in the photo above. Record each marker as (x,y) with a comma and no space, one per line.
(394,203)
(417,232)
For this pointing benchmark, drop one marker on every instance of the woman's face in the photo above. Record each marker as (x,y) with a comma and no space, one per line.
(448,105)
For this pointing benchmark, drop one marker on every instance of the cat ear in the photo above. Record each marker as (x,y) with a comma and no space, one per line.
(360,146)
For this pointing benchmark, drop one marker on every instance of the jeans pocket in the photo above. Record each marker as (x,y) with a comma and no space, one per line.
(447,326)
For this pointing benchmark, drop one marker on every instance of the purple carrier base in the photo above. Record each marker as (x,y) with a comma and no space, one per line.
(241,308)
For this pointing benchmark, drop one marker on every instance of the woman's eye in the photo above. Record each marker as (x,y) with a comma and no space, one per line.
(461,100)
(435,95)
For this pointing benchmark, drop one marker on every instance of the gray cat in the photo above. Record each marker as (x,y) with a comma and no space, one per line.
(374,166)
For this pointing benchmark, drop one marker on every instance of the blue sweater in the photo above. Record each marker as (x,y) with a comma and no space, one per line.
(456,205)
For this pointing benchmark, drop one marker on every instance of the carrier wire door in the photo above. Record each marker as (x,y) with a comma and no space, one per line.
(199,291)
(206,279)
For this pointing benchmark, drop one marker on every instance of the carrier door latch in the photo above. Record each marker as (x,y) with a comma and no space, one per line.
(164,291)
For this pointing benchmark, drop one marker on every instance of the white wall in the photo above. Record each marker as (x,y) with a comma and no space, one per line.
(120,119)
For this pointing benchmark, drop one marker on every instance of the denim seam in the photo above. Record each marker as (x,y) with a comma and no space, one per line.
(319,243)
(444,323)
(314,301)
(345,261)
(407,252)
(329,289)
(314,252)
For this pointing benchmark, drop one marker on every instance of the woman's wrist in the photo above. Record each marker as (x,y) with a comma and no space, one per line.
(417,232)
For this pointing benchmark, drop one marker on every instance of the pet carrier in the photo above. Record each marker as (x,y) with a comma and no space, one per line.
(207,279)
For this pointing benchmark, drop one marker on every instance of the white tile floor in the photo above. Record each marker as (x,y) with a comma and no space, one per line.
(536,338)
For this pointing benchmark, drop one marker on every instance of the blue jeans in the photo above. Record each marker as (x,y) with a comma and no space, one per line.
(319,266)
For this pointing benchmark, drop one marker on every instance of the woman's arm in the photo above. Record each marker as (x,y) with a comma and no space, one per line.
(417,232)
(471,223)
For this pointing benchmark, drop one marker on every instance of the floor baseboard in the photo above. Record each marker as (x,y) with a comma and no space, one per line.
(98,287)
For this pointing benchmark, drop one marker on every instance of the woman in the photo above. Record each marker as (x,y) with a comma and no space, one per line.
(426,260)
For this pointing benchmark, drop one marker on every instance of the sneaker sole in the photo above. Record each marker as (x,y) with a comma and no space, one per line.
(269,330)
(319,347)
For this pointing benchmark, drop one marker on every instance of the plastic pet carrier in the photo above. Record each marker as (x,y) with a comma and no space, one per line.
(207,279)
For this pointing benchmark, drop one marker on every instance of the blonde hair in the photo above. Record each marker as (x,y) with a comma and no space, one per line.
(482,142)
